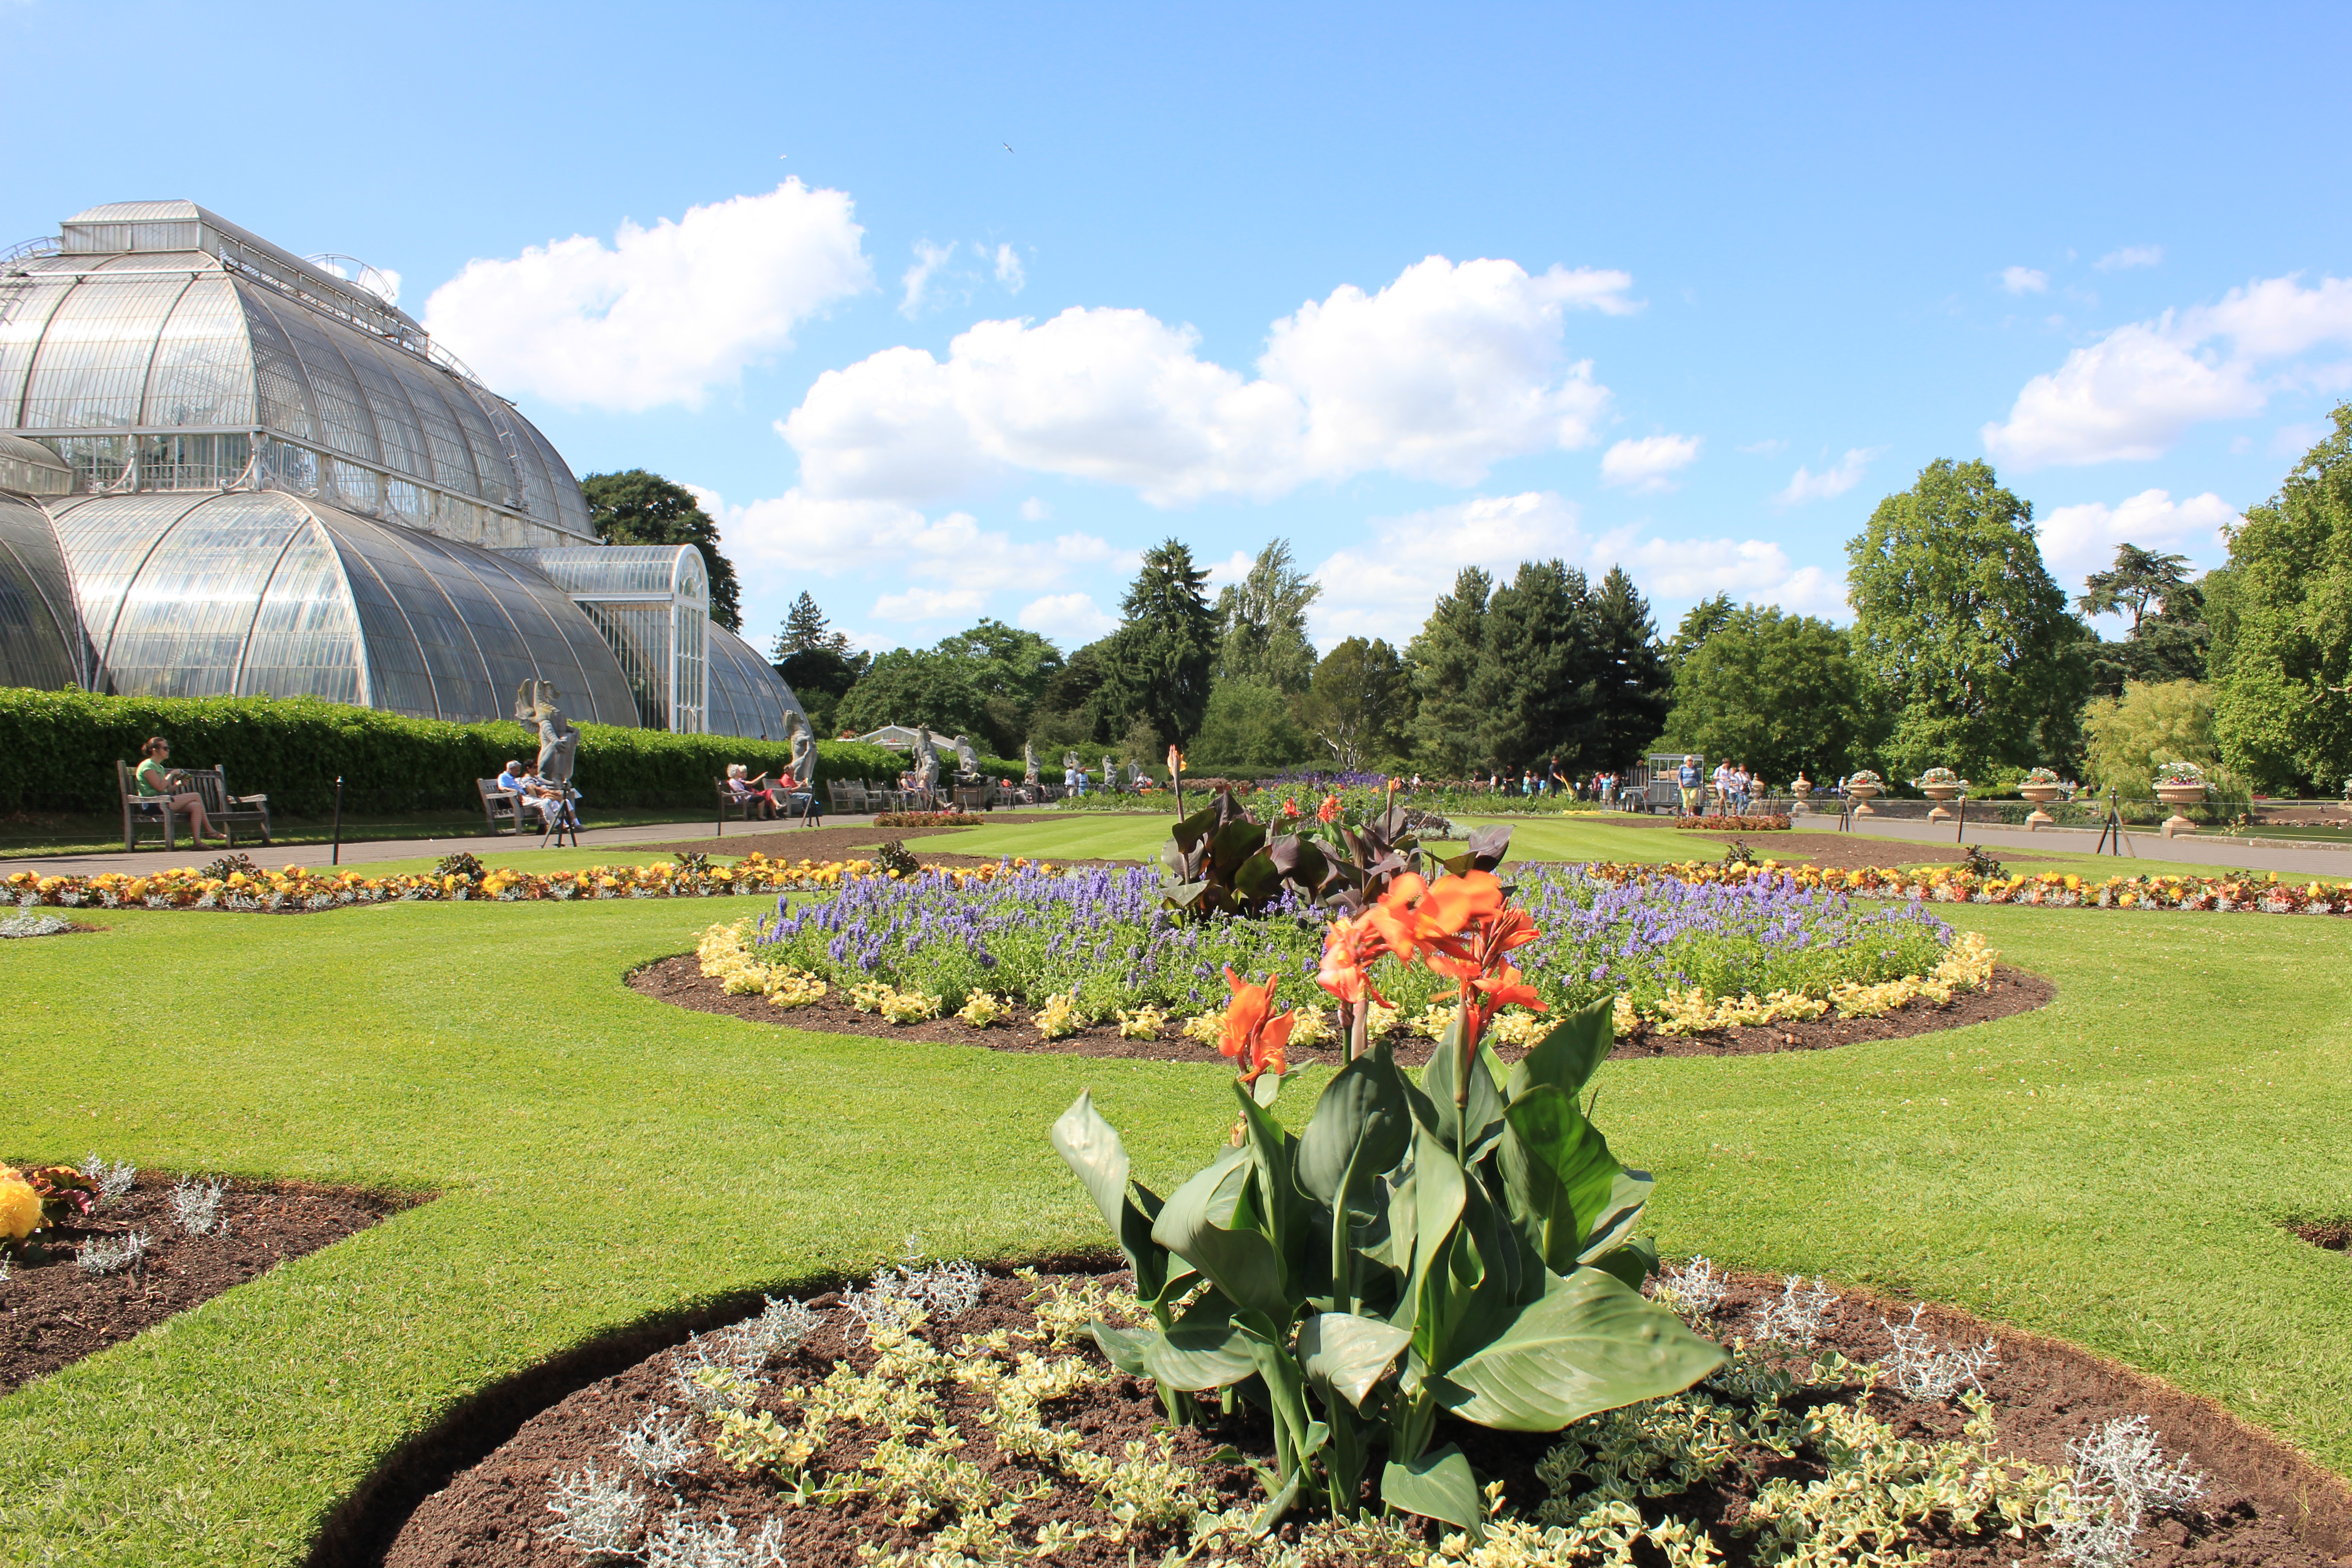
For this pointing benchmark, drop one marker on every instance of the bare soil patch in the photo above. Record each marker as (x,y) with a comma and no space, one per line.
(2332,1236)
(53,1314)
(1844,851)
(680,982)
(2265,1504)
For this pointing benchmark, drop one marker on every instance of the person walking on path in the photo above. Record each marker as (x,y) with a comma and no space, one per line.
(1689,777)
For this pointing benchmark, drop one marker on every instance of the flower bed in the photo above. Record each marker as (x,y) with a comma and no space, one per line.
(1773,824)
(926,819)
(2054,890)
(297,889)
(1681,955)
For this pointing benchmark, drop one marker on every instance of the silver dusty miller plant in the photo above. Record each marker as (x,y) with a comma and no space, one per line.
(1923,1372)
(943,1291)
(195,1204)
(658,1447)
(1694,1289)
(111,1254)
(684,1543)
(112,1181)
(1798,1317)
(2121,1475)
(722,1370)
(596,1514)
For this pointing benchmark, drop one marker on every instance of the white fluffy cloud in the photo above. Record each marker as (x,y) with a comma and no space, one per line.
(915,283)
(1009,270)
(2025,280)
(1385,589)
(1649,462)
(929,605)
(2131,395)
(1440,375)
(2080,540)
(661,315)
(1070,620)
(2130,256)
(1805,485)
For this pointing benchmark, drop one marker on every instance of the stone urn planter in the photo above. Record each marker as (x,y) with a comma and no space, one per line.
(1798,790)
(2177,795)
(1939,794)
(2041,794)
(1860,794)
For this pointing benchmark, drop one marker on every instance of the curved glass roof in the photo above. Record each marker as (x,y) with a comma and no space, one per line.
(258,593)
(40,634)
(747,696)
(158,316)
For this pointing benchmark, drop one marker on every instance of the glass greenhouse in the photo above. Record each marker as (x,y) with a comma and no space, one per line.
(229,470)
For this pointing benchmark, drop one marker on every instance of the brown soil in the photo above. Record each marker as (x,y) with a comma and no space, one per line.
(2334,1235)
(680,981)
(52,1314)
(2265,1504)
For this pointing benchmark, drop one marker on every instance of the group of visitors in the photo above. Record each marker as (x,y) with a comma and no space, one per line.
(1735,788)
(556,805)
(769,799)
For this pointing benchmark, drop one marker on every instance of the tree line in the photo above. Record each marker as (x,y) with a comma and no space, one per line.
(1963,652)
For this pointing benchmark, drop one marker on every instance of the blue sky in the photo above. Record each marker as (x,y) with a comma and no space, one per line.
(1711,280)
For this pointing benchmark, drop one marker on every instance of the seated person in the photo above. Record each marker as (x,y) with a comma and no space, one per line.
(790,794)
(752,794)
(553,802)
(157,782)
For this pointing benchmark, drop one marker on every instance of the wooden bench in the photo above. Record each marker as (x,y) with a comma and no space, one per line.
(502,808)
(141,811)
(228,810)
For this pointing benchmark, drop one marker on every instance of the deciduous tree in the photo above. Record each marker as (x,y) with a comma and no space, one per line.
(1777,693)
(1261,623)
(1358,702)
(1958,621)
(2282,617)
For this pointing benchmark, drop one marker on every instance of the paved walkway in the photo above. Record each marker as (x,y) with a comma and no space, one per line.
(2255,854)
(314,855)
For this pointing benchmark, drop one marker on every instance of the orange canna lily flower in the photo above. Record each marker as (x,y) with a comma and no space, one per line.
(1290,808)
(1505,986)
(1330,810)
(1254,1033)
(1350,946)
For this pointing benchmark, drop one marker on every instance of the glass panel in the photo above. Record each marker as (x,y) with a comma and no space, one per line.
(398,681)
(453,465)
(640,636)
(538,493)
(396,426)
(99,461)
(571,506)
(599,687)
(460,683)
(343,413)
(504,654)
(305,637)
(26,307)
(592,570)
(686,670)
(190,607)
(40,636)
(202,369)
(91,369)
(278,376)
(285,466)
(107,540)
(193,462)
(499,481)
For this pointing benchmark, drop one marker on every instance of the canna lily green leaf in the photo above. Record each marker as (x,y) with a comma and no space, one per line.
(1592,1345)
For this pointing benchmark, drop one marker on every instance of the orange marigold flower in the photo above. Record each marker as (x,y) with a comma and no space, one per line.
(1254,1033)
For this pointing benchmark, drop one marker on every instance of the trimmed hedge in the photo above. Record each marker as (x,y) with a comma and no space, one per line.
(57,751)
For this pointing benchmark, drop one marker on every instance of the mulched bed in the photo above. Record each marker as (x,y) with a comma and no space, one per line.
(1849,851)
(2265,1504)
(2332,1236)
(680,982)
(821,843)
(52,1314)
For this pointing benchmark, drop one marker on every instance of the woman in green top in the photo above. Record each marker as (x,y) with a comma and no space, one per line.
(157,780)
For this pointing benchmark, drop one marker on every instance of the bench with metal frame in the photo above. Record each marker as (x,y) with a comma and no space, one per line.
(145,811)
(502,808)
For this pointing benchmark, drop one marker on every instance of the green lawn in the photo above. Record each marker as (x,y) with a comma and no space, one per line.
(2109,1169)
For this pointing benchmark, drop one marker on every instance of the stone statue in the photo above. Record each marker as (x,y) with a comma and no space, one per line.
(535,704)
(967,759)
(803,749)
(1110,773)
(926,761)
(1028,765)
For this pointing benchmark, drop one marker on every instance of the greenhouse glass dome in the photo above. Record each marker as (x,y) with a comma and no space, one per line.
(257,475)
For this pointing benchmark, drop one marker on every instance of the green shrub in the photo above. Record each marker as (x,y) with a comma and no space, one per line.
(61,746)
